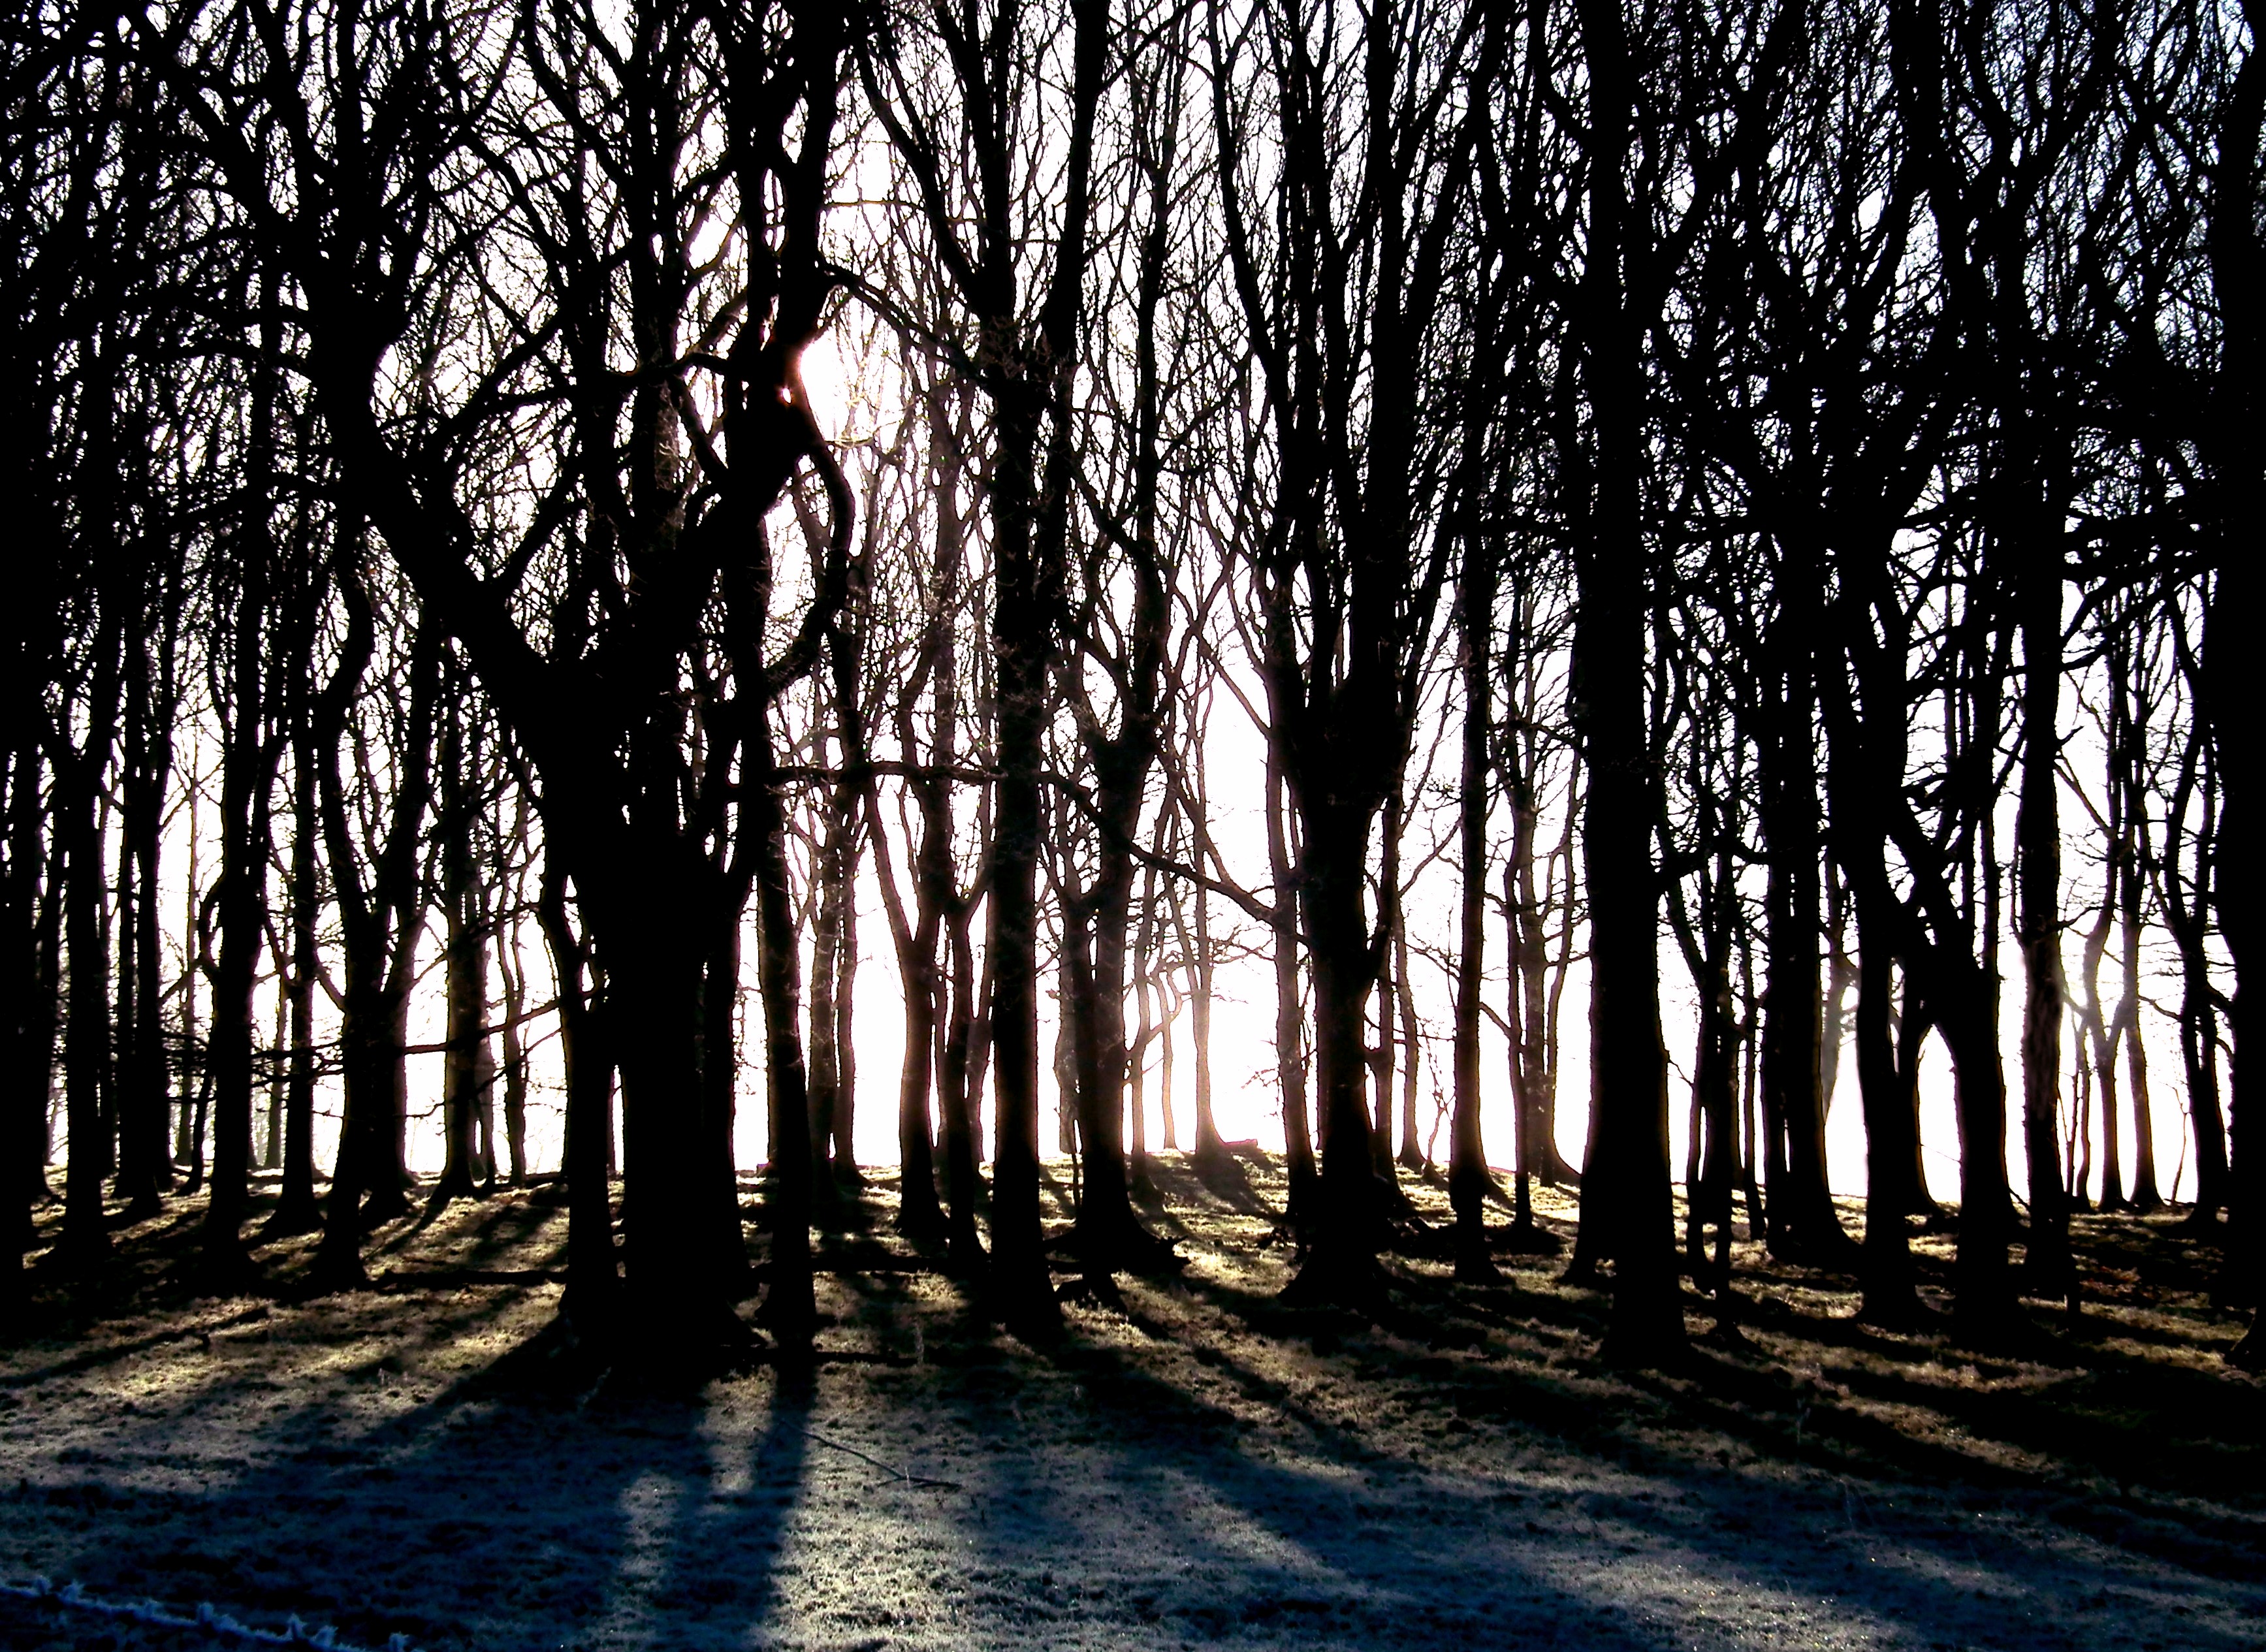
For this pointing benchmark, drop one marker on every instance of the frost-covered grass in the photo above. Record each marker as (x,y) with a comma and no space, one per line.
(1458,1469)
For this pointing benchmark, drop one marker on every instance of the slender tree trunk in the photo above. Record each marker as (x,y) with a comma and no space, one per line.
(1891,1293)
(271,1140)
(826,942)
(1209,1149)
(2098,1033)
(296,1209)
(592,1278)
(1411,1156)
(1468,1180)
(86,1025)
(2145,1197)
(2050,1267)
(513,970)
(145,1168)
(2232,675)
(789,1305)
(844,1122)
(26,1011)
(464,961)
(1289,1017)
(956,1100)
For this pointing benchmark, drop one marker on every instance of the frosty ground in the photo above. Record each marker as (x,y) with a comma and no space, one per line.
(1205,1466)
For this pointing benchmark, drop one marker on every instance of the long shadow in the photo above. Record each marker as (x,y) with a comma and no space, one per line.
(534,1499)
(1123,1544)
(1717,1532)
(535,1502)
(1768,1411)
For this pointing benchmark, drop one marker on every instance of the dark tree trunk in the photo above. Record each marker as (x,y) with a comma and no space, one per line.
(248,760)
(86,1025)
(1803,1222)
(833,896)
(593,1276)
(465,961)
(296,1210)
(957,1099)
(144,1162)
(2050,1267)
(1289,1011)
(378,910)
(1625,1185)
(790,1306)
(1468,1180)
(513,970)
(1021,628)
(27,1004)
(2231,673)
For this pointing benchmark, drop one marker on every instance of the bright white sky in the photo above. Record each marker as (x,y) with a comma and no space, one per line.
(1243,1055)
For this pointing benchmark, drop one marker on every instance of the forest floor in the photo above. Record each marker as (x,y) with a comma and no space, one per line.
(1457,1469)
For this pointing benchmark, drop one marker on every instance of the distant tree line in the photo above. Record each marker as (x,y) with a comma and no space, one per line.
(1753,486)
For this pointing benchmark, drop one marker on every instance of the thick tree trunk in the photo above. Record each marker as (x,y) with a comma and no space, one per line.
(1885,1088)
(1107,1235)
(675,1300)
(1626,1191)
(1341,1262)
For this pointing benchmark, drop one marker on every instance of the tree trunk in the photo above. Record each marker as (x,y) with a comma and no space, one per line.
(465,961)
(1289,1017)
(1468,1181)
(790,1305)
(86,1025)
(513,970)
(956,1101)
(2049,1267)
(593,1277)
(1209,1149)
(1803,1222)
(2231,670)
(833,892)
(1625,1185)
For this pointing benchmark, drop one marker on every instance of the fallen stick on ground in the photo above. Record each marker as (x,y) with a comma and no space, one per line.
(208,1617)
(906,1475)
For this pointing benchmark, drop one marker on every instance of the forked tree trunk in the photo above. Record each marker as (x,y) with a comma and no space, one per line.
(1803,1222)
